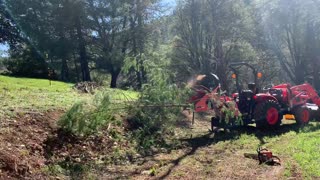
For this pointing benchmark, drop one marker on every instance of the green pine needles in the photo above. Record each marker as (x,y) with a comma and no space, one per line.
(86,118)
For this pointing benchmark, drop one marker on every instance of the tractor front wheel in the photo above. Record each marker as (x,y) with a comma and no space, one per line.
(302,115)
(267,114)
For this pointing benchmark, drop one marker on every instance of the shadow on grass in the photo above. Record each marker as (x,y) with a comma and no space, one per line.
(207,139)
(190,147)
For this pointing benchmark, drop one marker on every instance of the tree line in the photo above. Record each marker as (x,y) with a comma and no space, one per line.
(76,37)
(280,36)
(128,38)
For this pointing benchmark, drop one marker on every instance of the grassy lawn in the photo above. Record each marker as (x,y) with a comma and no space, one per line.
(120,96)
(25,94)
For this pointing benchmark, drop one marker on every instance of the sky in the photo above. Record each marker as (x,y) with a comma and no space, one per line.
(170,1)
(3,49)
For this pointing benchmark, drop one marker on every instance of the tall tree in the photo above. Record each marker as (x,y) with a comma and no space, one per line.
(50,27)
(290,26)
(208,33)
(121,33)
(109,24)
(79,15)
(9,32)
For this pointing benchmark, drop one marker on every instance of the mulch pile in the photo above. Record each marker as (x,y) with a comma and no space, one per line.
(32,141)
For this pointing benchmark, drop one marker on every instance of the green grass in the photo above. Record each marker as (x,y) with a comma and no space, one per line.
(25,94)
(297,147)
(300,147)
(118,95)
(304,148)
(40,85)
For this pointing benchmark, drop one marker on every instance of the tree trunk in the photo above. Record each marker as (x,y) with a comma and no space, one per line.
(316,78)
(299,74)
(114,78)
(135,50)
(141,37)
(138,71)
(82,52)
(76,67)
(64,71)
(222,65)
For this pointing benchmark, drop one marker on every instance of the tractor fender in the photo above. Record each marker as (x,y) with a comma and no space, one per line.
(264,97)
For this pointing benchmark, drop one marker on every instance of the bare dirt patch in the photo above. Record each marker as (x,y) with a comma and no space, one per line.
(31,142)
(21,144)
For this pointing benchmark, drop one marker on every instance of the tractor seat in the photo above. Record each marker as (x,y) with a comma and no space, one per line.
(246,93)
(253,88)
(246,99)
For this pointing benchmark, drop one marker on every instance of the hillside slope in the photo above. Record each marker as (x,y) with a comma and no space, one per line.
(39,150)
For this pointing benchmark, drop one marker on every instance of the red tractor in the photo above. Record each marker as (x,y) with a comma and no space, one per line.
(264,109)
(255,107)
(302,101)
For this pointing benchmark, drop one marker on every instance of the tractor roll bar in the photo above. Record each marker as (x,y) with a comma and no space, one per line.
(233,66)
(237,79)
(242,64)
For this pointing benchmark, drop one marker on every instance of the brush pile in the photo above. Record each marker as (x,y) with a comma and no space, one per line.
(86,87)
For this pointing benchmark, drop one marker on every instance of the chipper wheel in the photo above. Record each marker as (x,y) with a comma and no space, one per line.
(267,114)
(215,122)
(302,115)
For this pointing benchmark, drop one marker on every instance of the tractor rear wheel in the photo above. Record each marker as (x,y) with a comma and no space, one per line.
(267,114)
(302,115)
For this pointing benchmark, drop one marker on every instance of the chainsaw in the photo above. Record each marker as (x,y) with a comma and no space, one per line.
(264,156)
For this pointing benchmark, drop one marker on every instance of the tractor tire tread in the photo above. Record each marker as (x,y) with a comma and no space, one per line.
(297,113)
(261,111)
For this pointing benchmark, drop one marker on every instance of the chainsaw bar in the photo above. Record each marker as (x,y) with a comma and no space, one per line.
(251,156)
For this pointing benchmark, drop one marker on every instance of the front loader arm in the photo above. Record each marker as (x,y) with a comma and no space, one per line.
(305,92)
